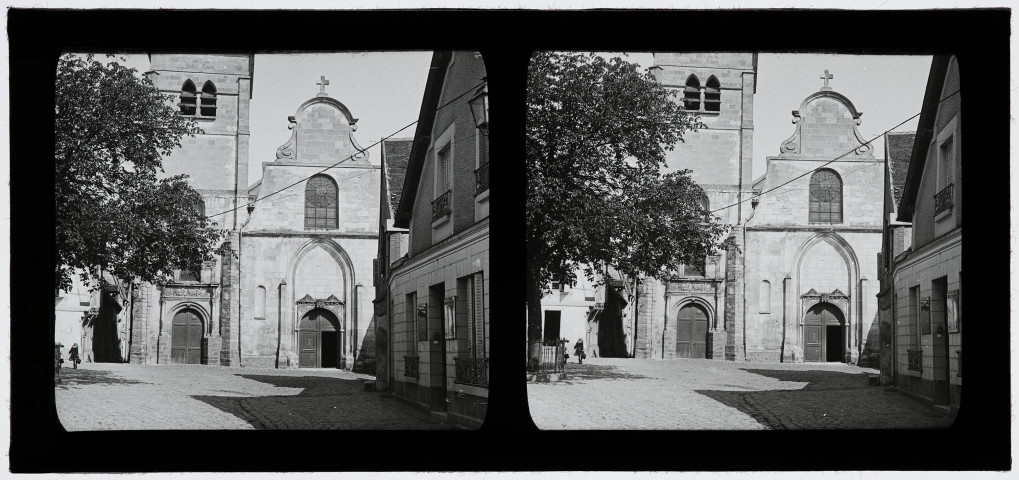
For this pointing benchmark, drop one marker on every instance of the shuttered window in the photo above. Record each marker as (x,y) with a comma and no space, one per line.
(476,316)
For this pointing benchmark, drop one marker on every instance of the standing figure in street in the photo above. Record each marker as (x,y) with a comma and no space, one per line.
(72,355)
(578,350)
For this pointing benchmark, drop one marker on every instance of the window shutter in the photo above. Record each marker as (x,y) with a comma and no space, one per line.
(478,315)
(947,156)
(422,321)
(449,169)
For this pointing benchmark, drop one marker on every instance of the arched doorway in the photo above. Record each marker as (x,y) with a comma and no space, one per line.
(186,337)
(692,332)
(824,332)
(319,339)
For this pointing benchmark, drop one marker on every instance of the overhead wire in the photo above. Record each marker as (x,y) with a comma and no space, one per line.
(365,149)
(808,172)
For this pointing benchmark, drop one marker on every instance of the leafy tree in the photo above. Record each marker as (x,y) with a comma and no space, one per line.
(597,132)
(113,212)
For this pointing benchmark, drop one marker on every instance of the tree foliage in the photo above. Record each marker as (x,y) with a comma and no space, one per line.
(597,132)
(113,212)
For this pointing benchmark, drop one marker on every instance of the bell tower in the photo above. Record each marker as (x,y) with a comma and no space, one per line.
(215,90)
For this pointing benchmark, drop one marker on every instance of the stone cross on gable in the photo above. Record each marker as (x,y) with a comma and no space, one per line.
(322,85)
(827,76)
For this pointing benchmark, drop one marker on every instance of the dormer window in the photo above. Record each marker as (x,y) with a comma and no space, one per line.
(188,99)
(209,100)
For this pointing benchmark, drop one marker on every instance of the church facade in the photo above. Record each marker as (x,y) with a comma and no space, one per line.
(809,229)
(290,289)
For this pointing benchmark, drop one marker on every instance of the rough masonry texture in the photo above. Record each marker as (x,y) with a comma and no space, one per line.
(764,302)
(283,294)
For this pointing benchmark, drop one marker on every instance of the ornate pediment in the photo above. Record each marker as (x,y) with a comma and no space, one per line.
(320,302)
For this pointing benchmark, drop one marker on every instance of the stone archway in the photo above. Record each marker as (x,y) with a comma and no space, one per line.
(825,333)
(320,333)
(692,332)
(187,338)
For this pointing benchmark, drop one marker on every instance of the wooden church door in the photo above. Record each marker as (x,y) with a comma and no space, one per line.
(691,332)
(318,340)
(822,329)
(186,338)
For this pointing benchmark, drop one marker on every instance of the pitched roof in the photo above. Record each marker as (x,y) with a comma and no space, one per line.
(898,149)
(395,158)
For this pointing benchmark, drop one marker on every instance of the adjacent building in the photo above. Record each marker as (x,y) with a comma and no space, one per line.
(926,278)
(433,301)
(896,238)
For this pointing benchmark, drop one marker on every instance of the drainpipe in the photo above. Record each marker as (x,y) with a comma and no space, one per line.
(279,320)
(353,339)
(240,256)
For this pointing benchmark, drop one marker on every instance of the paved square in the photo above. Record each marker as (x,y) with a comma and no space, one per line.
(685,394)
(199,397)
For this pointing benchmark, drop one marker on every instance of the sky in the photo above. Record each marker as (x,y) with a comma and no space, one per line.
(383,90)
(887,89)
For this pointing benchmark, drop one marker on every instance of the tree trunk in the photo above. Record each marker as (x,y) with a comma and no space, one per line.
(533,296)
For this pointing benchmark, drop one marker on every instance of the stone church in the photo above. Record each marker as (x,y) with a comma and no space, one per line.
(808,228)
(290,292)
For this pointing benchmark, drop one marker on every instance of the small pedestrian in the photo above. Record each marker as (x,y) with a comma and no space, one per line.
(72,355)
(578,350)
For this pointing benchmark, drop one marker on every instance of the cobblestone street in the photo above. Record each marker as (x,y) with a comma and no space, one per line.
(198,397)
(619,394)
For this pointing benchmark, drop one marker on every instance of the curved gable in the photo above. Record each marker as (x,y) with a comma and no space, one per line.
(826,128)
(323,133)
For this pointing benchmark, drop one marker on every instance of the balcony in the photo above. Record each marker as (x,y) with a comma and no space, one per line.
(943,199)
(441,206)
(481,179)
(471,371)
(410,367)
(914,360)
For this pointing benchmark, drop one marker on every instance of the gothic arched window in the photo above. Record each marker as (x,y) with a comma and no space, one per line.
(320,203)
(188,98)
(692,93)
(208,99)
(712,95)
(825,197)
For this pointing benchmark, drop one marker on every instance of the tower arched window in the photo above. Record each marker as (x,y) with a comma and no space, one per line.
(692,93)
(208,100)
(704,202)
(188,98)
(320,203)
(200,210)
(712,95)
(825,197)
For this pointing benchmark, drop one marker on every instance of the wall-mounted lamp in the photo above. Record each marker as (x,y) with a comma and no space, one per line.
(479,107)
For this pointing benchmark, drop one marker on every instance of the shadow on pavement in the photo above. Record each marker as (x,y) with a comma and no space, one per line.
(582,372)
(71,377)
(815,379)
(326,403)
(831,400)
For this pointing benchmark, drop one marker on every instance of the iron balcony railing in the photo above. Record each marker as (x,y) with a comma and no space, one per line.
(440,206)
(914,360)
(471,371)
(410,367)
(943,199)
(481,179)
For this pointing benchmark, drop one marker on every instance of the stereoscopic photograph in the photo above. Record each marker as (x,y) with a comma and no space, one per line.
(272,241)
(700,258)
